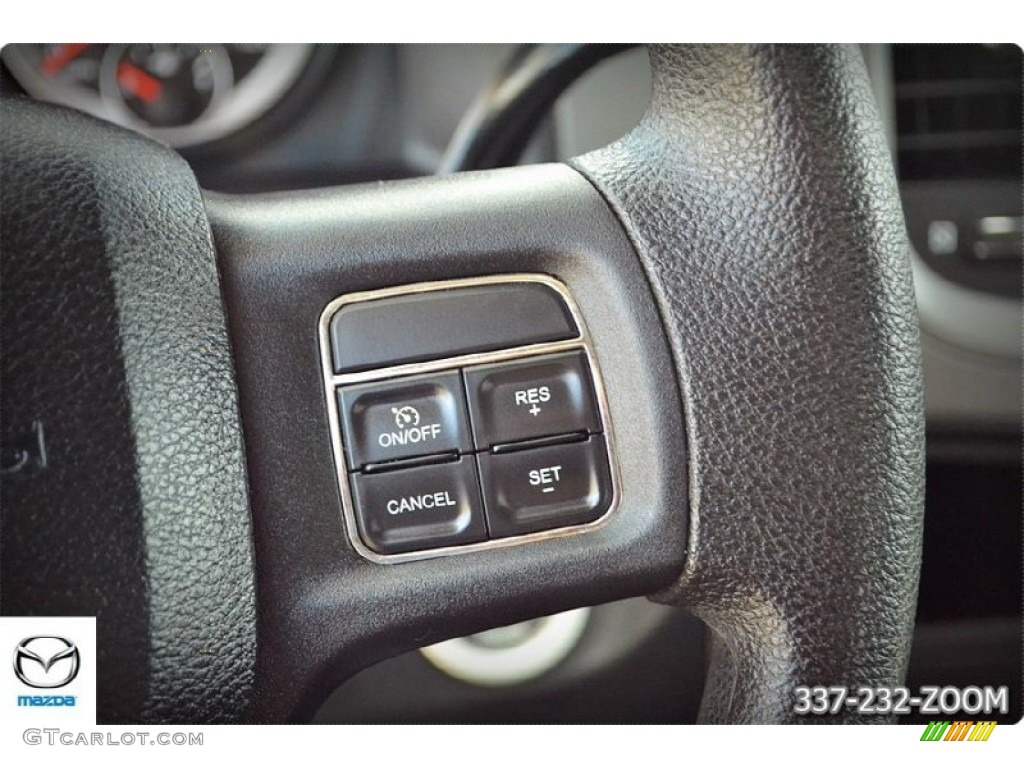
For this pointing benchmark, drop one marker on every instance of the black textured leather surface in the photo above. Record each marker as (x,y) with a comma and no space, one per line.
(114,338)
(760,196)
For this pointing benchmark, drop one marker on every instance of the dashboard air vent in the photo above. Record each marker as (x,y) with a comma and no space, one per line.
(958,111)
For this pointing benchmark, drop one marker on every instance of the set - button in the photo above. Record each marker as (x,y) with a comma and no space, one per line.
(488,451)
(542,488)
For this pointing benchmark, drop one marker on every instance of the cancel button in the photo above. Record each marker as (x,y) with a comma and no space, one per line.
(421,501)
(424,507)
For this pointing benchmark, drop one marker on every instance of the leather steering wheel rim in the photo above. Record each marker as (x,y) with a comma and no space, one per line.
(741,261)
(759,193)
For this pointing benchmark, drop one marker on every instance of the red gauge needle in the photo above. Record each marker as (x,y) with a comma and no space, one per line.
(138,82)
(62,56)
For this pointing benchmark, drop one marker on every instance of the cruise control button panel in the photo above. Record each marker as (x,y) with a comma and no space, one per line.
(536,397)
(468,449)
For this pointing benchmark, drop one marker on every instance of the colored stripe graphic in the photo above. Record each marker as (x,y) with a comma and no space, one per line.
(934,730)
(959,730)
(982,730)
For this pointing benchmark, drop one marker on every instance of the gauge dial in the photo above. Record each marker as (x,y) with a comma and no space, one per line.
(183,94)
(75,64)
(165,86)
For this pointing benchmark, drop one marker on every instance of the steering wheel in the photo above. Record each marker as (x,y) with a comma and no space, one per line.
(740,262)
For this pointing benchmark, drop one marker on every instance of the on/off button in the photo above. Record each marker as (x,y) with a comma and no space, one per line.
(403,418)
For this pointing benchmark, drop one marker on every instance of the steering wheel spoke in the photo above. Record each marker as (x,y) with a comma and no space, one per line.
(327,611)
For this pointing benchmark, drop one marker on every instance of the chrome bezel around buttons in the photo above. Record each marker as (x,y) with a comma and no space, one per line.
(333,380)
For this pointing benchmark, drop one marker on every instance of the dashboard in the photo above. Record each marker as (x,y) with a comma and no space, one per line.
(184,95)
(267,117)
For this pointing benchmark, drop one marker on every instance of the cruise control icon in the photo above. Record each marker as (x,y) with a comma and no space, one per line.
(406,416)
(46,661)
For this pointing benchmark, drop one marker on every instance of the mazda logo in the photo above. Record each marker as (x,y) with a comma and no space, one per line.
(46,661)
